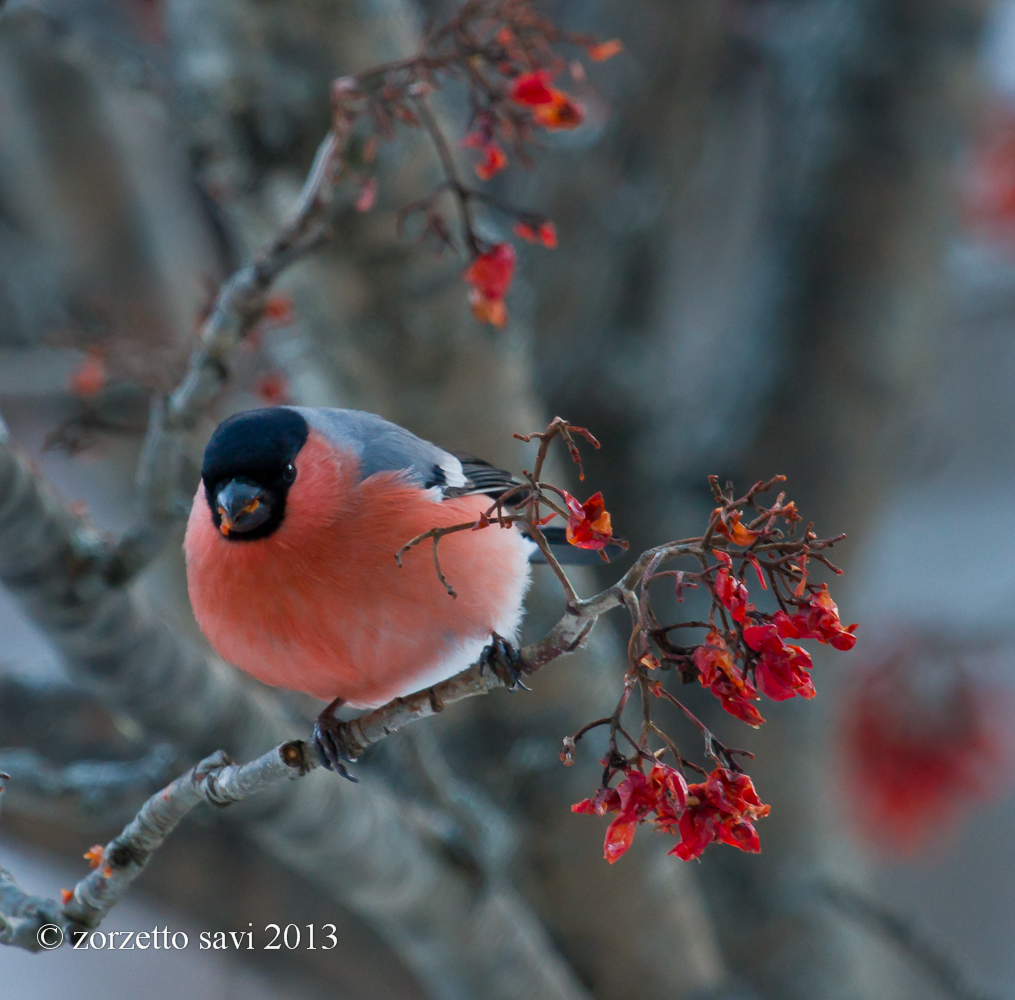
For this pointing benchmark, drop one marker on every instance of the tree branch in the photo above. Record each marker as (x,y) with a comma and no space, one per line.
(214,780)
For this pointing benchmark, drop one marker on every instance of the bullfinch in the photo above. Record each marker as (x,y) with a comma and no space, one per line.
(291,567)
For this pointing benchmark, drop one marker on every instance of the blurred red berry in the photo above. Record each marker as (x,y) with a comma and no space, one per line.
(367,196)
(278,310)
(551,108)
(605,50)
(563,113)
(490,276)
(545,233)
(89,378)
(273,388)
(532,89)
(924,738)
(494,158)
(990,181)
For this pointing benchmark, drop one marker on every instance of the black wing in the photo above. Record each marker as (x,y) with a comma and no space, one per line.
(484,478)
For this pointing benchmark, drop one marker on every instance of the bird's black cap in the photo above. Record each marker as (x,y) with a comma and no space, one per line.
(258,446)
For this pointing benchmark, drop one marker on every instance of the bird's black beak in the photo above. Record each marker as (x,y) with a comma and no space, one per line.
(242,506)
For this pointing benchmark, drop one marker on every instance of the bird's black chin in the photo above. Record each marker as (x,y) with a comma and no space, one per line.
(243,510)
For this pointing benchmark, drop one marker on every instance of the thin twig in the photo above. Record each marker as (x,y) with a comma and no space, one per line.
(551,560)
(450,168)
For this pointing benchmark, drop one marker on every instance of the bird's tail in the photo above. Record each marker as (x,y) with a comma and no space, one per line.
(570,555)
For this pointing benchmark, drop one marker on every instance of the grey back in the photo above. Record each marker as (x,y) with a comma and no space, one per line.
(381,446)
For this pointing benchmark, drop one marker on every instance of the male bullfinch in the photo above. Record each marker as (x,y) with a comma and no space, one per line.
(291,558)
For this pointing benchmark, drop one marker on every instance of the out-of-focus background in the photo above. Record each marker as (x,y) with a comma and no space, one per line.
(787,245)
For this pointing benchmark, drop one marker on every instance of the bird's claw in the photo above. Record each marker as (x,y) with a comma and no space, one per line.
(329,741)
(505,661)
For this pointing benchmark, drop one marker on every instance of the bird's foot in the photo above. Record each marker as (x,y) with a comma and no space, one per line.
(505,661)
(329,741)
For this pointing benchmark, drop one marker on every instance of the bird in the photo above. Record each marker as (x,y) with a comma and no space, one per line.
(291,571)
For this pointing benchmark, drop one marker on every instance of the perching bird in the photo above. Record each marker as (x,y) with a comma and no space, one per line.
(291,558)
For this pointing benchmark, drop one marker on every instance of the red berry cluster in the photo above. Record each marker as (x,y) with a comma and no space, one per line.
(505,54)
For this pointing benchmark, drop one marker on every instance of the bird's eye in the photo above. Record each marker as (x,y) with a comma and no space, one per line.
(289,473)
